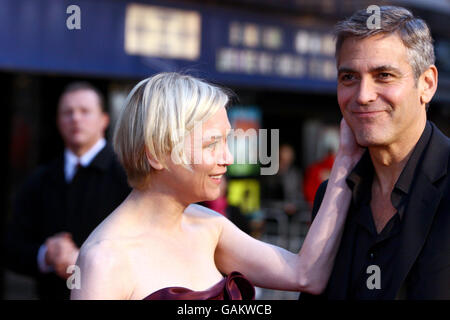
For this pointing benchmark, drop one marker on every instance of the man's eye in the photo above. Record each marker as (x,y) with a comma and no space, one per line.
(385,75)
(347,77)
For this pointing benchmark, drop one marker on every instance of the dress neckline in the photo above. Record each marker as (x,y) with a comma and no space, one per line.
(232,287)
(178,288)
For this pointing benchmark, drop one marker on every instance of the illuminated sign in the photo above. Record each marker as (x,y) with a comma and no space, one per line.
(162,32)
(254,49)
(135,40)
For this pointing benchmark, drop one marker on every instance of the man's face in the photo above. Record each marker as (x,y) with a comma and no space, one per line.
(377,91)
(80,119)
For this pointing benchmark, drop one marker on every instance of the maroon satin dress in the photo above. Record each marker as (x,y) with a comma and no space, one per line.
(233,287)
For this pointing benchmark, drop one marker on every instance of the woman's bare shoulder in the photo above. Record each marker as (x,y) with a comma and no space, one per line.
(196,210)
(101,254)
(206,218)
(105,244)
(104,271)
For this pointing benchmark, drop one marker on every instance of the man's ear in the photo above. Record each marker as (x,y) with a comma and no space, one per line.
(428,84)
(105,120)
(154,163)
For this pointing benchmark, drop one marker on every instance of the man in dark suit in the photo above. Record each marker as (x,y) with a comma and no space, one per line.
(396,241)
(61,203)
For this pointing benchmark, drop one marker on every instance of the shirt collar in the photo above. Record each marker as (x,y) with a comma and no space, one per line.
(86,158)
(71,160)
(360,178)
(406,177)
(405,180)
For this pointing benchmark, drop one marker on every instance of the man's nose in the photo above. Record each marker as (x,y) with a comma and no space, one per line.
(76,116)
(366,92)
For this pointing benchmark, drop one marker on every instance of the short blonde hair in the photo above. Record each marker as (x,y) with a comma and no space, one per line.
(158,113)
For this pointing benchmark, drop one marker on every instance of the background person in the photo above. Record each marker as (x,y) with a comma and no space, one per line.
(285,187)
(315,174)
(62,202)
(282,192)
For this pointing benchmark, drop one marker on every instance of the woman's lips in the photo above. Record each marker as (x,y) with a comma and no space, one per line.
(216,179)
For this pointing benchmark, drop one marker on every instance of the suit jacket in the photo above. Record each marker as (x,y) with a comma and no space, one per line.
(46,205)
(422,266)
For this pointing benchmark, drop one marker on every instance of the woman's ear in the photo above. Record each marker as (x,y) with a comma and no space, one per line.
(428,84)
(154,163)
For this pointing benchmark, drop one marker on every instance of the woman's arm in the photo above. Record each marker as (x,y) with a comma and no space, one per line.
(309,270)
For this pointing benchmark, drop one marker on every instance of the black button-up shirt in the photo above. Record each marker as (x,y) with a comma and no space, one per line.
(373,252)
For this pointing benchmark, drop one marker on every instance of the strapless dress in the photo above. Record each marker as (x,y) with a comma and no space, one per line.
(233,287)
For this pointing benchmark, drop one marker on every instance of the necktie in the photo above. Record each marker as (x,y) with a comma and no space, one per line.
(77,168)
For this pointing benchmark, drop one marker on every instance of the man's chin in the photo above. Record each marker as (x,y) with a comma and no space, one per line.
(77,144)
(367,141)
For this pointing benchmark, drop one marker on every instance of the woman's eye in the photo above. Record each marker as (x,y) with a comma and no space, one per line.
(212,145)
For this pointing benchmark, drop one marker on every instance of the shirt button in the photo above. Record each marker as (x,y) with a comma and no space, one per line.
(371,255)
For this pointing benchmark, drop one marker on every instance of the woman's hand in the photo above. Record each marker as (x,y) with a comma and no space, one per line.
(348,147)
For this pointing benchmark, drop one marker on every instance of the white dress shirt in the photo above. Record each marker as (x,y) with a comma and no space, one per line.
(71,160)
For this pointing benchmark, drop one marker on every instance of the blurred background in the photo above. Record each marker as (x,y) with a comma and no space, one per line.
(276,55)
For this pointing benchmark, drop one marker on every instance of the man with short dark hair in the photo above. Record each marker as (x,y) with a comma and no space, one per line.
(62,203)
(396,242)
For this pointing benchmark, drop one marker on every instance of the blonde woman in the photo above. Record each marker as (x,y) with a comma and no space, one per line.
(159,245)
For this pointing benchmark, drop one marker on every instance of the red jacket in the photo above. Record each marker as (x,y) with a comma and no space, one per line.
(315,175)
